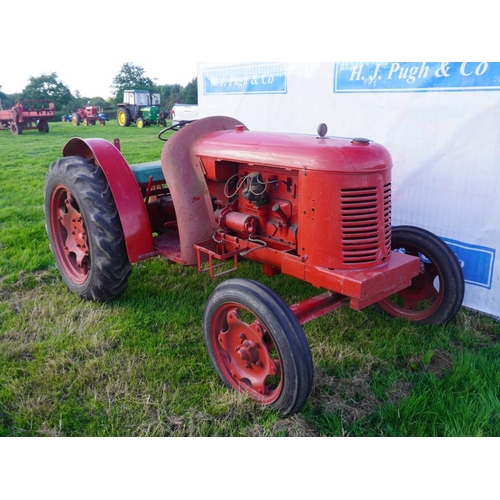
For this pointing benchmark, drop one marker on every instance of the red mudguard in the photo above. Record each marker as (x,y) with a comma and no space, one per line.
(128,198)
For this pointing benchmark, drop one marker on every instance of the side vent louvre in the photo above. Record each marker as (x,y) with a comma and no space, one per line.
(364,232)
(387,217)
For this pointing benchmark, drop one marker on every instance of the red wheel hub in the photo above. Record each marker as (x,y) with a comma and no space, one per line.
(69,235)
(246,355)
(421,298)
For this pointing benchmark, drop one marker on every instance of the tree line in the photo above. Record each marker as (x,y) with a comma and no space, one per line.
(48,87)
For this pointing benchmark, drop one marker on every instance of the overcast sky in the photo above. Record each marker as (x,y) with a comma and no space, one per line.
(86,43)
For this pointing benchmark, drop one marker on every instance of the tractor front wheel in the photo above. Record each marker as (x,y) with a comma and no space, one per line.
(140,123)
(16,128)
(257,345)
(84,229)
(436,294)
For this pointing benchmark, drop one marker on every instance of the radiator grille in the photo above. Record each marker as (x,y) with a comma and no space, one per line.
(366,224)
(387,217)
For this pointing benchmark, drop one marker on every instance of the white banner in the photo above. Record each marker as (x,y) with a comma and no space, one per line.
(440,121)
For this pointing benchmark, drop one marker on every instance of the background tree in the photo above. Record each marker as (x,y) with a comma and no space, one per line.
(190,92)
(8,100)
(169,95)
(130,77)
(3,97)
(47,87)
(97,101)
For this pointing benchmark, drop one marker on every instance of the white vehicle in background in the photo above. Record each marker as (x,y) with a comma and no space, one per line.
(184,112)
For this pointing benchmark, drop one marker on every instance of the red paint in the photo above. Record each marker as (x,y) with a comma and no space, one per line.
(128,198)
(317,209)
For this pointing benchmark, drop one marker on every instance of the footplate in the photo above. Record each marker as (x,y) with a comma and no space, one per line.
(215,251)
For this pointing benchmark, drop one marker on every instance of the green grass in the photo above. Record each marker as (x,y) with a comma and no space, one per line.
(137,366)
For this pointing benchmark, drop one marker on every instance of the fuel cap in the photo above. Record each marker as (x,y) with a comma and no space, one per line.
(322,130)
(360,140)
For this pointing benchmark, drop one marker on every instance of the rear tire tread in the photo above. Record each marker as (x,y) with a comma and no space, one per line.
(110,268)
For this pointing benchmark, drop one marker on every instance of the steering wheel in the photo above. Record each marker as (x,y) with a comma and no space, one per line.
(175,127)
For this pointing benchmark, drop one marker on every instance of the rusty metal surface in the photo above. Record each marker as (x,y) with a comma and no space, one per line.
(187,184)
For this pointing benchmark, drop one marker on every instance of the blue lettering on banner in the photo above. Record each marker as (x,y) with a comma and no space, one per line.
(477,262)
(250,78)
(415,76)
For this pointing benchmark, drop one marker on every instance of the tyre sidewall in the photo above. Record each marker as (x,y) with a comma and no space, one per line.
(59,177)
(446,263)
(284,328)
(96,286)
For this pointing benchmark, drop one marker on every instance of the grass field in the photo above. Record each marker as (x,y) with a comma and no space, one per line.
(137,366)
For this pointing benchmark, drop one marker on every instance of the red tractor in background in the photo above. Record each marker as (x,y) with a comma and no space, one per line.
(89,115)
(316,208)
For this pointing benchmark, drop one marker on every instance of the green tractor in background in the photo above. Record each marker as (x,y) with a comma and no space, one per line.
(139,107)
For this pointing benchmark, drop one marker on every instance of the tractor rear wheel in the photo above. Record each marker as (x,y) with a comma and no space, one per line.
(436,294)
(123,117)
(257,345)
(84,229)
(75,118)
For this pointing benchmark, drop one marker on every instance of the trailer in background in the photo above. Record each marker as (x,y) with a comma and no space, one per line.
(27,115)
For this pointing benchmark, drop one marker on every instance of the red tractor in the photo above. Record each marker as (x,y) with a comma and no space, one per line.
(88,116)
(313,207)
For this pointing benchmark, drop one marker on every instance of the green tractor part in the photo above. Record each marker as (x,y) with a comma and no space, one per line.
(148,116)
(139,107)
